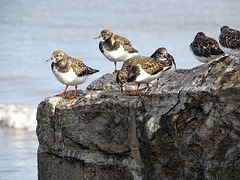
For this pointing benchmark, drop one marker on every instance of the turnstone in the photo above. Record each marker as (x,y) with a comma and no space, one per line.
(205,49)
(229,40)
(69,71)
(115,48)
(141,70)
(161,55)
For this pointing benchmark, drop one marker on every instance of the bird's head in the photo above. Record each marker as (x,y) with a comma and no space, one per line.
(200,34)
(224,29)
(160,54)
(104,35)
(57,56)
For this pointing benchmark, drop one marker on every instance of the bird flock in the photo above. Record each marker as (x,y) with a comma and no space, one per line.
(137,68)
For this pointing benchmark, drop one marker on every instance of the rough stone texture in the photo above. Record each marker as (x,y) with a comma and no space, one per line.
(186,126)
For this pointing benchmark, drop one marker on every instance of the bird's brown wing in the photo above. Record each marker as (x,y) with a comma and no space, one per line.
(200,47)
(126,44)
(231,40)
(80,68)
(151,66)
(131,62)
(214,47)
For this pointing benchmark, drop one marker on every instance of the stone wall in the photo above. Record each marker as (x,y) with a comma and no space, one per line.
(186,126)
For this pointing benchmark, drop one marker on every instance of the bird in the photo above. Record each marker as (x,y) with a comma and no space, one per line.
(141,70)
(229,40)
(115,48)
(205,49)
(161,55)
(69,71)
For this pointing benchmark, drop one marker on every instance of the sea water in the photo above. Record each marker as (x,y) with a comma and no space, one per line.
(31,30)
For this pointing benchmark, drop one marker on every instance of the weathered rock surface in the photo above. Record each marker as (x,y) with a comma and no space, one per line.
(186,126)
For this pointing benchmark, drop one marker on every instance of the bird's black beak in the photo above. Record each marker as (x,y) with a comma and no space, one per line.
(98,37)
(51,59)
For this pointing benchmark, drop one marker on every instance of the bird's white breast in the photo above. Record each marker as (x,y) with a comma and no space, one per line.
(145,77)
(69,78)
(207,59)
(229,51)
(119,55)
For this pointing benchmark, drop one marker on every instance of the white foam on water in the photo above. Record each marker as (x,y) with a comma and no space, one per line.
(18,116)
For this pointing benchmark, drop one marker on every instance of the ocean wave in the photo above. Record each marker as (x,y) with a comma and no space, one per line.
(18,116)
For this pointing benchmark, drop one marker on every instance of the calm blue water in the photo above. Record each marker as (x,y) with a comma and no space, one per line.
(31,30)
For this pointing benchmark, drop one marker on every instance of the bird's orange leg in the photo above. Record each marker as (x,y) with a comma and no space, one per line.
(64,92)
(75,93)
(136,93)
(115,63)
(147,85)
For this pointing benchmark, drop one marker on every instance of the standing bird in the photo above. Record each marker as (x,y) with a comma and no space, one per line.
(205,49)
(115,48)
(161,55)
(229,40)
(69,71)
(141,70)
